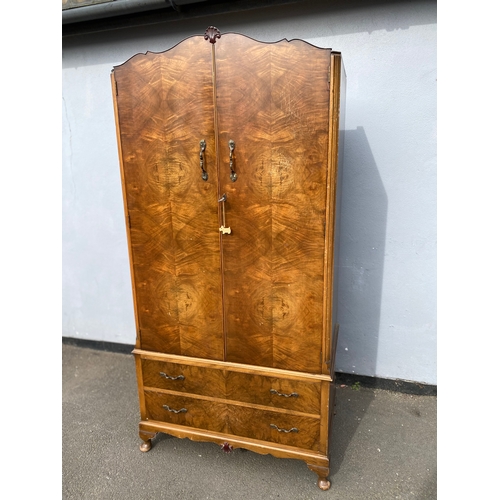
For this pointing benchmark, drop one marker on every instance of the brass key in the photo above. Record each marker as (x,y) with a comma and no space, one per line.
(223,229)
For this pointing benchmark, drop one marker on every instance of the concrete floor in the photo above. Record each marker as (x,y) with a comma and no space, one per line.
(383,446)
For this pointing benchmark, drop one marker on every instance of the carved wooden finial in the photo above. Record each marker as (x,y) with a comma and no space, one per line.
(211,34)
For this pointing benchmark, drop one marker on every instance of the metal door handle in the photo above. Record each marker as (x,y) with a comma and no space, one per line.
(233,176)
(204,174)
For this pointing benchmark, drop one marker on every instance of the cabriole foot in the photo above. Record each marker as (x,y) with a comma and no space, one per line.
(323,484)
(146,437)
(322,472)
(146,446)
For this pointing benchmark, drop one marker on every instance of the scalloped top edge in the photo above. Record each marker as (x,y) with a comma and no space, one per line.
(221,35)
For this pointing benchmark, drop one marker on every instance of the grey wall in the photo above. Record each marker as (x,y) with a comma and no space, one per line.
(387,308)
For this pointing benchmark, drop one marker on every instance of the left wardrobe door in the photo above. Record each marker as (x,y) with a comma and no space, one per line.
(164,110)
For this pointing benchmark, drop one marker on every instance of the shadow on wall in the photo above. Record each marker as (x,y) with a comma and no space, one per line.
(363,223)
(362,242)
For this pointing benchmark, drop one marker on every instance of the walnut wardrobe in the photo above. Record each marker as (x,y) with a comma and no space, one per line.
(231,153)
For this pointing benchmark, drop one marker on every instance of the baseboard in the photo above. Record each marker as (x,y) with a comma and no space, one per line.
(397,385)
(99,345)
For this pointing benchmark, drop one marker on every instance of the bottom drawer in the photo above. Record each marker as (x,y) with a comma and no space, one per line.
(264,425)
(183,410)
(275,427)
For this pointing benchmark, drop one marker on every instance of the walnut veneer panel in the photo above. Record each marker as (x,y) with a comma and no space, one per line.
(273,102)
(165,108)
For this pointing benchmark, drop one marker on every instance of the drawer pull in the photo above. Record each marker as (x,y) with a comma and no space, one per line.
(168,377)
(293,429)
(292,395)
(182,410)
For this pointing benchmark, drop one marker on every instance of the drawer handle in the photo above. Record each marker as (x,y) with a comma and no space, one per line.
(292,395)
(168,377)
(182,410)
(293,429)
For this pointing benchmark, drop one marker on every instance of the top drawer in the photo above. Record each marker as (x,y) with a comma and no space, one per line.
(183,378)
(301,395)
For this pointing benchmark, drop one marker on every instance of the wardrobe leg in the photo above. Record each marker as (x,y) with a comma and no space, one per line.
(322,472)
(146,437)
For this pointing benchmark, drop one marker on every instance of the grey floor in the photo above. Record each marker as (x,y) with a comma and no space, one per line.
(383,446)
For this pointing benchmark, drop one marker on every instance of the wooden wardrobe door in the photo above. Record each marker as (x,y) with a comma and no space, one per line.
(273,102)
(165,108)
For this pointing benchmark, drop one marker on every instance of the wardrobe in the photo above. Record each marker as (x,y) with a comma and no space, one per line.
(231,155)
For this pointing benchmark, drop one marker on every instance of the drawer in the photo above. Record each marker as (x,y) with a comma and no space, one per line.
(183,410)
(183,378)
(275,427)
(265,425)
(297,395)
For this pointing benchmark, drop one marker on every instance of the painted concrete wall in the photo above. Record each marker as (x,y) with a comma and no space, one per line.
(387,309)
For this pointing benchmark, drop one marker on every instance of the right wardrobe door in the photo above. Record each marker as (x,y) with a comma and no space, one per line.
(273,143)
